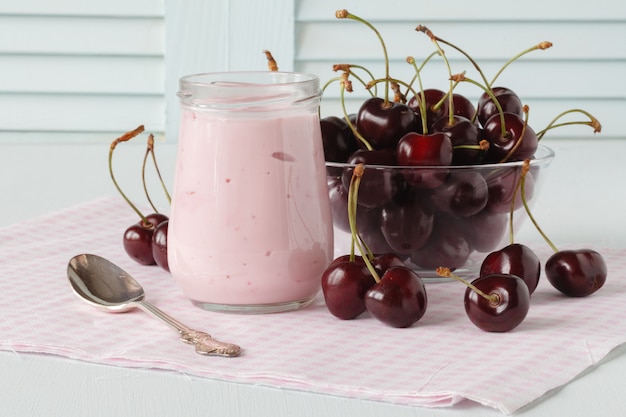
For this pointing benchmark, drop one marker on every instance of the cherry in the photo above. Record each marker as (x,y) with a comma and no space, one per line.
(576,273)
(398,299)
(338,140)
(366,217)
(508,99)
(446,246)
(137,239)
(518,143)
(464,136)
(435,103)
(416,149)
(514,259)
(379,185)
(505,305)
(383,123)
(484,231)
(463,194)
(385,261)
(406,226)
(463,106)
(159,245)
(344,285)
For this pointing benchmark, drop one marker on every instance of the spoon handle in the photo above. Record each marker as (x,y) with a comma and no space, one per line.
(203,342)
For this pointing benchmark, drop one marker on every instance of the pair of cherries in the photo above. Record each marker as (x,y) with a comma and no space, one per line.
(398,298)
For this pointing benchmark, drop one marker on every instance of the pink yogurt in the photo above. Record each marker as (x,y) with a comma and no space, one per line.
(250,227)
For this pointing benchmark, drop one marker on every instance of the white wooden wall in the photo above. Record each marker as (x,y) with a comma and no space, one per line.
(73,70)
(76,70)
(584,68)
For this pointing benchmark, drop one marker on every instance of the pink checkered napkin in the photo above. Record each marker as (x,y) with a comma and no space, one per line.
(441,360)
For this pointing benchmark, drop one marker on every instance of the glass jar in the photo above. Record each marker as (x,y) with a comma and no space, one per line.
(250,228)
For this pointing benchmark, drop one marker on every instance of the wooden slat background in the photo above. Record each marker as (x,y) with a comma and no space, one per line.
(75,70)
(582,70)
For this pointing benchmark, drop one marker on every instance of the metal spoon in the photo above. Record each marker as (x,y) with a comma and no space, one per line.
(106,286)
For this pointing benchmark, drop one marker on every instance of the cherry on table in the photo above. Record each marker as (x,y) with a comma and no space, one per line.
(137,239)
(514,259)
(159,245)
(398,299)
(505,306)
(344,285)
(576,273)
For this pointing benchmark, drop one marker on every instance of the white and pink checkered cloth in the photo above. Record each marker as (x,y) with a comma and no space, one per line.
(440,361)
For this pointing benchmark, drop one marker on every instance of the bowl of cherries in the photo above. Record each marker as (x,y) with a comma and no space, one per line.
(442,184)
(421,180)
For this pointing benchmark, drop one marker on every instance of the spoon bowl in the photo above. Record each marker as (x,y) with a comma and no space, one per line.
(115,293)
(107,287)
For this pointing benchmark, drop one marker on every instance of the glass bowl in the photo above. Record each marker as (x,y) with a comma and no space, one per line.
(448,216)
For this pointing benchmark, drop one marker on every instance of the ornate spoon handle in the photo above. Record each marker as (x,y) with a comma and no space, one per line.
(204,343)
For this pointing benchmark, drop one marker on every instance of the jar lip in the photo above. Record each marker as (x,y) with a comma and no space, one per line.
(241,88)
(246,79)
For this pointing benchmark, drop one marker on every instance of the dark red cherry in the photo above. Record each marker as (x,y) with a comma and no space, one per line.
(508,99)
(447,245)
(383,123)
(515,259)
(416,149)
(463,106)
(519,137)
(399,299)
(484,231)
(406,225)
(576,273)
(344,285)
(436,106)
(338,140)
(464,137)
(382,262)
(463,194)
(508,305)
(365,217)
(378,185)
(159,245)
(137,239)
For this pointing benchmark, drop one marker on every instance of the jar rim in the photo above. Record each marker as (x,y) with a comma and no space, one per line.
(240,89)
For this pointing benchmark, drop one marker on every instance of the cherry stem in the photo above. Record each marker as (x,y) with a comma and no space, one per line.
(346,84)
(143,175)
(156,167)
(353,192)
(593,122)
(344,14)
(349,67)
(525,169)
(539,46)
(446,273)
(468,56)
(422,100)
(411,60)
(432,37)
(124,138)
(271,62)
